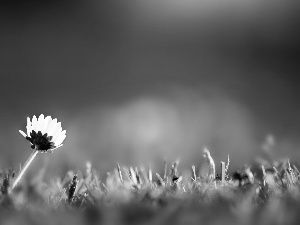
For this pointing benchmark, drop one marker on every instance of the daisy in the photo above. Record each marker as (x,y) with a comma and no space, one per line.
(45,135)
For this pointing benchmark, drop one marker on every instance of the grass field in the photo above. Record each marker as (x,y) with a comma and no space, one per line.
(266,194)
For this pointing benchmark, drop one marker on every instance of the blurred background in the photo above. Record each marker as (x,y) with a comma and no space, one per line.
(142,80)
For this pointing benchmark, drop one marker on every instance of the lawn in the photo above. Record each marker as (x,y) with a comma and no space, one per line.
(262,194)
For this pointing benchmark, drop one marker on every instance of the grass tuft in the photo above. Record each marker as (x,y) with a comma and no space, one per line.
(130,195)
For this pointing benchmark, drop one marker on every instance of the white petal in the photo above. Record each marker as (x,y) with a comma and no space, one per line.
(34,123)
(28,127)
(46,124)
(56,130)
(23,133)
(57,147)
(40,123)
(51,127)
(60,138)
(57,135)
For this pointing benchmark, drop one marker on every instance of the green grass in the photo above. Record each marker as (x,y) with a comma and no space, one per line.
(128,196)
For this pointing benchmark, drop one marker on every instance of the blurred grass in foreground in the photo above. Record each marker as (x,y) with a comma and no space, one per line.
(266,193)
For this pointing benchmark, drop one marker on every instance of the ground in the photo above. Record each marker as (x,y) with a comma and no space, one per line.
(267,195)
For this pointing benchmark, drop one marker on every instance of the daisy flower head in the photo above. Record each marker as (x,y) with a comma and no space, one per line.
(44,133)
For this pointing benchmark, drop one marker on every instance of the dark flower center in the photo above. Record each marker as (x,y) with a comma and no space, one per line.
(40,142)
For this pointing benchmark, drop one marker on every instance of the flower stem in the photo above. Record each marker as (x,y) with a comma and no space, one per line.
(26,165)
